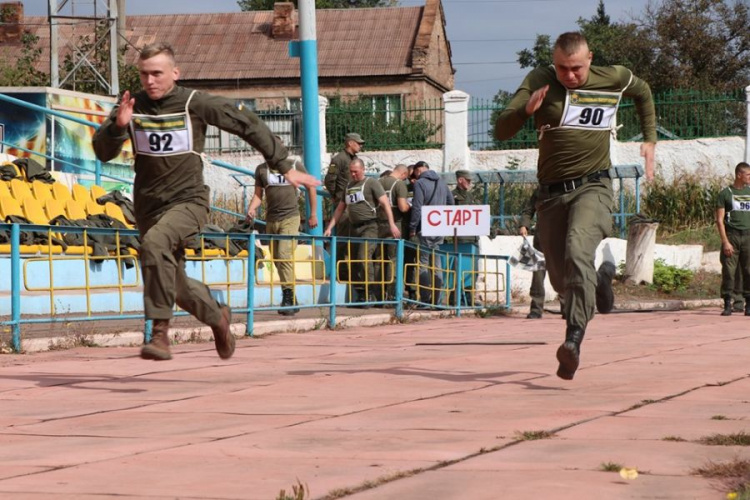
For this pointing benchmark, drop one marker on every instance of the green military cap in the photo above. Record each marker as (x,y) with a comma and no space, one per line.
(354,137)
(465,174)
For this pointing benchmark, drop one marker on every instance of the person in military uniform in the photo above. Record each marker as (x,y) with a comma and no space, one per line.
(536,310)
(397,192)
(335,182)
(360,200)
(282,217)
(167,126)
(733,223)
(462,195)
(574,105)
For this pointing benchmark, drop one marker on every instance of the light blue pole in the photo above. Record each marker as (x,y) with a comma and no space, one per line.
(98,173)
(308,52)
(15,284)
(400,278)
(507,284)
(458,284)
(332,286)
(250,285)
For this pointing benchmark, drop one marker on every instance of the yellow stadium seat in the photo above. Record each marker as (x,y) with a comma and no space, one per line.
(41,191)
(81,194)
(20,190)
(33,211)
(14,167)
(93,208)
(9,206)
(60,192)
(4,190)
(75,210)
(114,211)
(54,208)
(97,192)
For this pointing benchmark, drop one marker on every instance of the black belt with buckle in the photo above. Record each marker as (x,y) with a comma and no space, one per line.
(572,184)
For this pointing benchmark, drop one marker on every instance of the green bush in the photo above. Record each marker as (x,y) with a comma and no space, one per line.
(668,279)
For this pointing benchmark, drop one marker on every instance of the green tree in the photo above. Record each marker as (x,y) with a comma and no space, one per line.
(24,73)
(539,55)
(85,79)
(246,5)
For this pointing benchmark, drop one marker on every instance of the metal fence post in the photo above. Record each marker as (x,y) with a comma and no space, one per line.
(15,284)
(400,279)
(332,285)
(250,317)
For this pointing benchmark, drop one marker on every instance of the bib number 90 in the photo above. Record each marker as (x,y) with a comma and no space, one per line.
(593,116)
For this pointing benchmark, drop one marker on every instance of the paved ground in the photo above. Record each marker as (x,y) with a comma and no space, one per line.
(427,410)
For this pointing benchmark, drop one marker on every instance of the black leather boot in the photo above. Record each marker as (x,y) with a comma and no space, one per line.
(605,296)
(747,308)
(728,307)
(569,353)
(288,300)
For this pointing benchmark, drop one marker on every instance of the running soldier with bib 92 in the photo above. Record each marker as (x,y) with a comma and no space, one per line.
(167,125)
(733,222)
(574,106)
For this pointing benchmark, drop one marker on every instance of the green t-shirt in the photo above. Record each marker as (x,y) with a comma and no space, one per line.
(575,125)
(361,199)
(736,203)
(281,197)
(394,189)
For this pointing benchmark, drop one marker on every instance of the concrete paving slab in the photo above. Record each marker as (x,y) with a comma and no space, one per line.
(429,409)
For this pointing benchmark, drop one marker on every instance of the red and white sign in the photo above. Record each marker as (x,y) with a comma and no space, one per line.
(465,220)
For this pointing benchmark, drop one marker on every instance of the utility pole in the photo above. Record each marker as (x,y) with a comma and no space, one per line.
(61,12)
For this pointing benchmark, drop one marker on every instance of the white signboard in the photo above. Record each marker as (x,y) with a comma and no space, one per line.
(465,220)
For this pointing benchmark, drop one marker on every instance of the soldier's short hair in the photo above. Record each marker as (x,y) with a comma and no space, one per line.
(570,42)
(741,166)
(156,48)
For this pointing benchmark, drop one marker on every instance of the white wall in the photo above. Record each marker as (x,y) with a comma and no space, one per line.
(709,157)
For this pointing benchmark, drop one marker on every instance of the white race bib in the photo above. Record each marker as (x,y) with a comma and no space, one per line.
(740,203)
(353,197)
(590,109)
(163,135)
(277,179)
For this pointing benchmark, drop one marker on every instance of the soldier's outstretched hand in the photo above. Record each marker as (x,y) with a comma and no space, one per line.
(536,99)
(297,179)
(125,111)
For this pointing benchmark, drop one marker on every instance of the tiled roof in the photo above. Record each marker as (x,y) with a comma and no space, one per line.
(351,42)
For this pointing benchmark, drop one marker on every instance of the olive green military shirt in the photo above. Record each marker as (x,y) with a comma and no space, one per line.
(575,125)
(166,179)
(395,189)
(340,166)
(362,200)
(464,197)
(736,204)
(281,197)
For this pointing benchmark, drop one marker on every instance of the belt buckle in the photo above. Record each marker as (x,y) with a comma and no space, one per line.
(569,185)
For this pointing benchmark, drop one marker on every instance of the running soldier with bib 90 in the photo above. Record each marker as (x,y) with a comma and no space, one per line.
(574,106)
(167,124)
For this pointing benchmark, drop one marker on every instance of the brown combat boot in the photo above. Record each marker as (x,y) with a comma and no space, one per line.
(158,348)
(223,338)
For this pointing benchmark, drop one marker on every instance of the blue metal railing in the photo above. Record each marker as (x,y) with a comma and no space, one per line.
(447,261)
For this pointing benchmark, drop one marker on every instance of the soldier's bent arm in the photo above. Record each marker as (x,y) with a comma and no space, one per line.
(109,138)
(514,115)
(640,91)
(224,114)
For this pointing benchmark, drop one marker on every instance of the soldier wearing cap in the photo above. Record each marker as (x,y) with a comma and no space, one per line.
(397,192)
(361,199)
(462,195)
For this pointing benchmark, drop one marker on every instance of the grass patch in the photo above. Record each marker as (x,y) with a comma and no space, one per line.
(737,439)
(704,285)
(533,435)
(736,468)
(299,492)
(676,439)
(610,467)
(719,417)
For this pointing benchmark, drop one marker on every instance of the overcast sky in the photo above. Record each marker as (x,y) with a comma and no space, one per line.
(484,34)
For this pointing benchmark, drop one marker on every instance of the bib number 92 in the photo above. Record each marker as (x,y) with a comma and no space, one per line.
(160,142)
